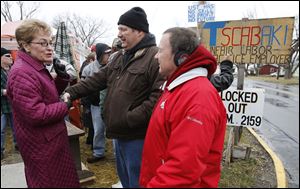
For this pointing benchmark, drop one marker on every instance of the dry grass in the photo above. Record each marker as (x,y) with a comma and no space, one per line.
(240,173)
(249,173)
(104,170)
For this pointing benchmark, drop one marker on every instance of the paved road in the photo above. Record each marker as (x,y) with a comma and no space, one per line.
(280,126)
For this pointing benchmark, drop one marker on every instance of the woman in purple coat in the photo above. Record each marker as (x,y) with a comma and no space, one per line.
(37,111)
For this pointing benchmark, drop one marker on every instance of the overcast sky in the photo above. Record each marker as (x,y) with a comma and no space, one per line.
(163,15)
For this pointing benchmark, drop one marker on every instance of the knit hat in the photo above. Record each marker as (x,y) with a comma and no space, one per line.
(101,49)
(4,51)
(135,18)
(117,43)
(93,48)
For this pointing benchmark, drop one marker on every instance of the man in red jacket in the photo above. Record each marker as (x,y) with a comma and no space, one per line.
(185,137)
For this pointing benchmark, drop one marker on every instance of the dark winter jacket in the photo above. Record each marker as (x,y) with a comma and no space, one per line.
(223,80)
(5,104)
(133,87)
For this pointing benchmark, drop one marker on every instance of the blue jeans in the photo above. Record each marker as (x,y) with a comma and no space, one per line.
(99,130)
(129,157)
(114,146)
(4,118)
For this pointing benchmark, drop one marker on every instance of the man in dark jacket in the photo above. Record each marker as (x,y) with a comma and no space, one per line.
(133,86)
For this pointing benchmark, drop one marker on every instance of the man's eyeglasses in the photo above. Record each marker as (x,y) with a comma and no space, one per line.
(44,43)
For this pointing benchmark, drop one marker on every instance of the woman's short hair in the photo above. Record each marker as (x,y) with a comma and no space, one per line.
(26,32)
(183,39)
(91,56)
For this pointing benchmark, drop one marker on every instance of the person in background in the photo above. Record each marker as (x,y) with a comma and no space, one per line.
(63,68)
(38,113)
(184,142)
(6,113)
(102,55)
(67,72)
(116,45)
(89,59)
(224,79)
(85,102)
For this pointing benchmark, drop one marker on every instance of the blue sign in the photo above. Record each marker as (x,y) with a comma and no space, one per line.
(200,13)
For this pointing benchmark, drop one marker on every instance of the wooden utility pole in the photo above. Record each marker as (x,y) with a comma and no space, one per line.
(240,86)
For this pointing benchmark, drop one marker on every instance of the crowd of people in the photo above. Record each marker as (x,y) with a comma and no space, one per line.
(159,104)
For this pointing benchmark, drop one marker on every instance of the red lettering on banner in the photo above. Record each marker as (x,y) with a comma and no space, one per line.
(247,35)
(256,35)
(235,36)
(228,41)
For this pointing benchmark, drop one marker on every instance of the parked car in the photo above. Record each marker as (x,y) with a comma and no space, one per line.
(274,74)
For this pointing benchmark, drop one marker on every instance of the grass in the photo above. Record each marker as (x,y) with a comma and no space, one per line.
(248,173)
(240,173)
(280,80)
(105,171)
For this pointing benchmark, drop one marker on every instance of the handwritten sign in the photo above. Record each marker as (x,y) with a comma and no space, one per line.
(261,41)
(201,13)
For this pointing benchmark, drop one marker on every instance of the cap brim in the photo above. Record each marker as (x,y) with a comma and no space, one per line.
(107,51)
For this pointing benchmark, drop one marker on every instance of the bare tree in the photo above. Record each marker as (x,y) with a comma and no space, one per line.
(295,58)
(295,47)
(88,29)
(293,64)
(291,67)
(296,26)
(250,15)
(61,18)
(26,12)
(5,10)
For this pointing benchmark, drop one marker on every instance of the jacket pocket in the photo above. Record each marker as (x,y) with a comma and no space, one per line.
(134,81)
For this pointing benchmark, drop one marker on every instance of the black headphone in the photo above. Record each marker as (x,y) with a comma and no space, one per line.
(180,57)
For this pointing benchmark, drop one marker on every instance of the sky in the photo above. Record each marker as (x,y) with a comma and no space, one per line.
(163,14)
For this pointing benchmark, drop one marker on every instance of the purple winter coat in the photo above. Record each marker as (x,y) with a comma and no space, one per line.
(39,125)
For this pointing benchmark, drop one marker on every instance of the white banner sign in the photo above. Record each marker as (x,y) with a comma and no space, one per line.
(244,107)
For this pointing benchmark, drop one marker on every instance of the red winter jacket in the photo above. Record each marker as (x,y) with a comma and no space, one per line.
(184,141)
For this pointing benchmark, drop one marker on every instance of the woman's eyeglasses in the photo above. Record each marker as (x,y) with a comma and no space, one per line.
(7,55)
(44,43)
